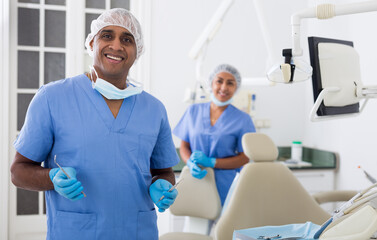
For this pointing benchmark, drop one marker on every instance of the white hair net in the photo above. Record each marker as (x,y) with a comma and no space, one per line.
(116,17)
(225,68)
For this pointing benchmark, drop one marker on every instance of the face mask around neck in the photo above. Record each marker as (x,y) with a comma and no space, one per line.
(219,103)
(109,91)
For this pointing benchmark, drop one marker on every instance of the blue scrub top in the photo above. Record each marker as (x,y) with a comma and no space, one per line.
(112,157)
(222,140)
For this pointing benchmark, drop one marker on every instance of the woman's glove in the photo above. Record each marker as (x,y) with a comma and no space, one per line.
(195,170)
(200,158)
(161,188)
(67,187)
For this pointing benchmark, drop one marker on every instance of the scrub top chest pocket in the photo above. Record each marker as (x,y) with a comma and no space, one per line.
(146,146)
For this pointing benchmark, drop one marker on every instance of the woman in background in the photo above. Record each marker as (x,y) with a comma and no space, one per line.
(211,132)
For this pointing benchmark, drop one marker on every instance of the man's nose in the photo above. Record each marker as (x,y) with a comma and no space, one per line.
(116,45)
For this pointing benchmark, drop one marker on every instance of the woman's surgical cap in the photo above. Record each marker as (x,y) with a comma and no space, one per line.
(116,17)
(225,68)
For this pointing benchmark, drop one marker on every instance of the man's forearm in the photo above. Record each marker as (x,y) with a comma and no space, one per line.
(166,174)
(31,177)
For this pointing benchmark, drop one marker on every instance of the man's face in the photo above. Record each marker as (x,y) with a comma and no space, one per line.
(114,51)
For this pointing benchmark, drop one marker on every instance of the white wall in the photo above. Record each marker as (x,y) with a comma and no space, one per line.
(177,24)
(353,138)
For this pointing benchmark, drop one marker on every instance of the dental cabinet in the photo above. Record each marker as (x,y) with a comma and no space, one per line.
(320,176)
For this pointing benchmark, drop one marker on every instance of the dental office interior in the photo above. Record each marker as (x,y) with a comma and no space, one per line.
(251,37)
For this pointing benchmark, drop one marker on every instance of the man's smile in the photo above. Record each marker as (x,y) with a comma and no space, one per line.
(114,57)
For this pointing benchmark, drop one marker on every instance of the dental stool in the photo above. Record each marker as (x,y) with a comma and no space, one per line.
(198,199)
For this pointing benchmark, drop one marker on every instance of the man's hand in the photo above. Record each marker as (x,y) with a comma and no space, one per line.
(67,187)
(161,188)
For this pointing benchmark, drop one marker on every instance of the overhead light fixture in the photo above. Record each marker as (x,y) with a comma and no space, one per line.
(292,70)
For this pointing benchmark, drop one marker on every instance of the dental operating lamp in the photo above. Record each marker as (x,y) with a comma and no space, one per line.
(294,69)
(337,66)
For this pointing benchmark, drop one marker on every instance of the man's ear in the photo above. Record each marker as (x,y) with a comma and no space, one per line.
(91,45)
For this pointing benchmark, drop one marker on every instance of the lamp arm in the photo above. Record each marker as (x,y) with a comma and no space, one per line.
(199,65)
(325,11)
(366,91)
(313,116)
(211,29)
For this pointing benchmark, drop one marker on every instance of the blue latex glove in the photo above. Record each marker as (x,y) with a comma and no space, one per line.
(68,188)
(160,188)
(195,170)
(200,158)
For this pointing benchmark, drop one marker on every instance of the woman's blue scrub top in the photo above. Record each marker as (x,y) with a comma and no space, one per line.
(112,157)
(222,140)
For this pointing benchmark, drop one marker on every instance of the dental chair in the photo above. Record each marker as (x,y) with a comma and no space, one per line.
(267,193)
(333,196)
(198,199)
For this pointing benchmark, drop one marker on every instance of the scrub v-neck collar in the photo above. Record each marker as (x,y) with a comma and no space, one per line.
(117,124)
(207,116)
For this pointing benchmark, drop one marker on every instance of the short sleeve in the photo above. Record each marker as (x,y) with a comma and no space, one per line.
(36,137)
(183,126)
(164,154)
(247,126)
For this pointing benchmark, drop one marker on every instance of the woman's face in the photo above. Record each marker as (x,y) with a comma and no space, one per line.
(224,86)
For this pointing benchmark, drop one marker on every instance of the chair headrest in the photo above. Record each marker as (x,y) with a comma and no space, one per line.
(197,197)
(259,147)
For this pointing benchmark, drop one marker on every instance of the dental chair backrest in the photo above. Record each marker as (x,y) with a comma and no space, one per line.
(199,200)
(197,197)
(267,193)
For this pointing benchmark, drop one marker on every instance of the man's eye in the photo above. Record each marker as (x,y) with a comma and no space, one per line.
(106,36)
(127,40)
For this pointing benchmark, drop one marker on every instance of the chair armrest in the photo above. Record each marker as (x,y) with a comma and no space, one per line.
(334,196)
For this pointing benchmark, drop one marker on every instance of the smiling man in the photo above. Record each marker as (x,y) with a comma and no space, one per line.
(112,139)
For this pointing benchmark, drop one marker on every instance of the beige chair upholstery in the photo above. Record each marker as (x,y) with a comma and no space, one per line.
(267,193)
(334,196)
(196,198)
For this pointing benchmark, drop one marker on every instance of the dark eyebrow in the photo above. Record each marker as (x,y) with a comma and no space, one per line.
(123,33)
(230,79)
(107,31)
(128,34)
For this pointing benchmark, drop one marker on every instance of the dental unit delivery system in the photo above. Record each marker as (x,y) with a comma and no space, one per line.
(354,220)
